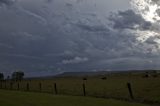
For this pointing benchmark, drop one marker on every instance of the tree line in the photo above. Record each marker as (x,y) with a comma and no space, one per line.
(16,76)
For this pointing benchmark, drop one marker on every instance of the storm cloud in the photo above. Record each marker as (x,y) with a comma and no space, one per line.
(129,20)
(44,37)
(7,2)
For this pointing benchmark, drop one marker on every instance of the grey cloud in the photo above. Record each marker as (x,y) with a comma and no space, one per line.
(49,1)
(151,40)
(34,15)
(69,5)
(6,46)
(40,42)
(79,1)
(21,56)
(156,2)
(131,62)
(91,28)
(158,12)
(129,20)
(7,2)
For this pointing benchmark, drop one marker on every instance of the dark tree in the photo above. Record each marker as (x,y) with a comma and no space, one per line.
(18,75)
(1,76)
(8,77)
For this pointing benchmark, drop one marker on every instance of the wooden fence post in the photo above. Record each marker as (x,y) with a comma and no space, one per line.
(55,88)
(1,85)
(27,86)
(5,85)
(84,89)
(11,85)
(40,87)
(18,86)
(130,90)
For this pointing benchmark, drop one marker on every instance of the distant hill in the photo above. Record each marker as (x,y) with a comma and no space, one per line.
(91,73)
(67,74)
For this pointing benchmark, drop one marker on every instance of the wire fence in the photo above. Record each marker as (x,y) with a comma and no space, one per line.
(122,91)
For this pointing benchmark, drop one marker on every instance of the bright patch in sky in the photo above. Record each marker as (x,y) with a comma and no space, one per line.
(147,9)
(150,11)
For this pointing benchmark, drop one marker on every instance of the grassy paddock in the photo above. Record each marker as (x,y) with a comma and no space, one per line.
(15,98)
(144,89)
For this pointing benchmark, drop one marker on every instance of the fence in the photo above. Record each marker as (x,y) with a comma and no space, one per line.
(137,89)
(41,87)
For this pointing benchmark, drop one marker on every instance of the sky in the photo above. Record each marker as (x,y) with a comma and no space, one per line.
(47,37)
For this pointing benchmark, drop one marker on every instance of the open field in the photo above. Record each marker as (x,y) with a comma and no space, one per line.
(144,89)
(15,98)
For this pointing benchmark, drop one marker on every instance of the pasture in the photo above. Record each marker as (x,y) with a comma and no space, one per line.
(145,90)
(15,98)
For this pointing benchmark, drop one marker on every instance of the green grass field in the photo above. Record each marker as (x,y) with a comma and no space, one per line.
(16,98)
(144,89)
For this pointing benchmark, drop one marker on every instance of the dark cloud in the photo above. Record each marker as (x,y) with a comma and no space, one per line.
(53,39)
(79,1)
(129,20)
(69,5)
(7,2)
(91,28)
(49,1)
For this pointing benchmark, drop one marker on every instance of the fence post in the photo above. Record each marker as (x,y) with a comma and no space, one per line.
(84,89)
(130,90)
(18,86)
(5,85)
(55,88)
(11,85)
(1,85)
(27,86)
(40,87)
